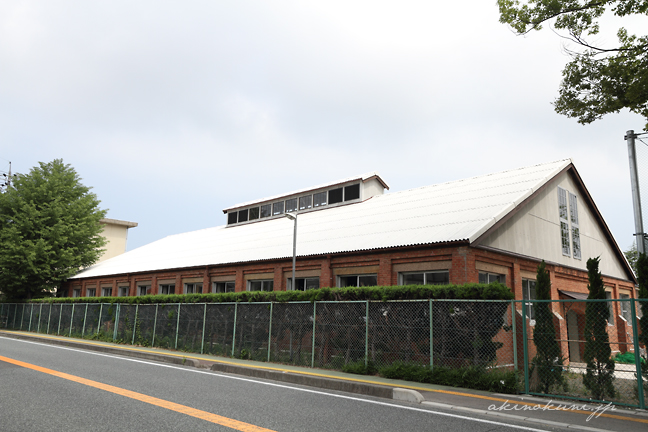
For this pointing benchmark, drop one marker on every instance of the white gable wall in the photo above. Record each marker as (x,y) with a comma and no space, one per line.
(535,231)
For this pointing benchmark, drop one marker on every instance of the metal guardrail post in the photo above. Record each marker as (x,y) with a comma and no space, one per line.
(177,327)
(202,344)
(85,317)
(154,325)
(514,329)
(635,341)
(135,323)
(71,320)
(234,332)
(270,331)
(313,344)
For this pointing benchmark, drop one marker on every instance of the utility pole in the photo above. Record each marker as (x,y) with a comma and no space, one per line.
(636,196)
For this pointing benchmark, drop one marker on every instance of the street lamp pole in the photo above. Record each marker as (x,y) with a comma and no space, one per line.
(294,218)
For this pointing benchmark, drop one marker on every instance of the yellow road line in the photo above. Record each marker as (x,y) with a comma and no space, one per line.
(278,369)
(203,415)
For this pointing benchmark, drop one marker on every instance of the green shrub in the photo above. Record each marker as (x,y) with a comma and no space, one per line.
(360,368)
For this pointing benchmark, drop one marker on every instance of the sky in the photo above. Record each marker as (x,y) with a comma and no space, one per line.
(174,110)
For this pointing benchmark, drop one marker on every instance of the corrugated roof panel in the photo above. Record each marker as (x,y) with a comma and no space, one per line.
(446,212)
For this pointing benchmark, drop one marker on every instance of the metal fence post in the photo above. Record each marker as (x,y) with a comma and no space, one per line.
(367,333)
(513,321)
(154,325)
(99,321)
(177,327)
(313,346)
(85,317)
(431,336)
(202,344)
(40,316)
(31,315)
(15,315)
(116,321)
(49,317)
(270,331)
(58,330)
(135,323)
(71,320)
(526,349)
(635,341)
(234,332)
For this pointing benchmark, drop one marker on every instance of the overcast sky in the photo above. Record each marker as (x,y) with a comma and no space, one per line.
(175,110)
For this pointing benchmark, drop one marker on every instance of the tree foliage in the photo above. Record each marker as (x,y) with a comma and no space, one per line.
(632,256)
(49,229)
(548,361)
(598,80)
(598,355)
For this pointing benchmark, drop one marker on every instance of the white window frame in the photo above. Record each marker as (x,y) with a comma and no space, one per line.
(490,275)
(306,279)
(122,291)
(358,276)
(226,284)
(265,283)
(529,293)
(76,292)
(91,292)
(402,275)
(624,306)
(106,292)
(142,290)
(193,287)
(166,287)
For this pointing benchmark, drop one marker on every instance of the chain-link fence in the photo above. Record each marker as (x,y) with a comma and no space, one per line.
(581,349)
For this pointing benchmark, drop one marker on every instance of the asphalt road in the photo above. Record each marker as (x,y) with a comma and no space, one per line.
(52,388)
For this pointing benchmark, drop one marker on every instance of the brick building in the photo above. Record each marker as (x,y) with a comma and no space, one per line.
(350,232)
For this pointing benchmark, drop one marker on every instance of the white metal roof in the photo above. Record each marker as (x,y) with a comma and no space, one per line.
(446,212)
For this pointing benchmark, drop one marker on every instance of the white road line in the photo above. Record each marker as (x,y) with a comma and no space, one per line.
(212,373)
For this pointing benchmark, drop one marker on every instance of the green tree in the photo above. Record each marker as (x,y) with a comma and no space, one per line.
(49,229)
(548,361)
(632,256)
(600,365)
(599,79)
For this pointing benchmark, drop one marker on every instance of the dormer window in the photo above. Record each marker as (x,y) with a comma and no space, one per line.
(331,195)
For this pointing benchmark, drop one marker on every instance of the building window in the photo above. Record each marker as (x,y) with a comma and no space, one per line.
(265,210)
(277,208)
(76,292)
(335,196)
(143,290)
(223,287)
(123,291)
(232,218)
(486,278)
(319,199)
(193,288)
(243,215)
(352,192)
(260,285)
(106,292)
(441,277)
(303,284)
(564,223)
(573,212)
(254,213)
(305,202)
(167,289)
(91,292)
(625,308)
(357,280)
(529,293)
(291,205)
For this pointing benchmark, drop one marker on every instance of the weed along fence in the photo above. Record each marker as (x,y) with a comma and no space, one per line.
(484,335)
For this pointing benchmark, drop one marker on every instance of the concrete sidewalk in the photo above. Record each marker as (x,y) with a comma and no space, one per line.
(536,411)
